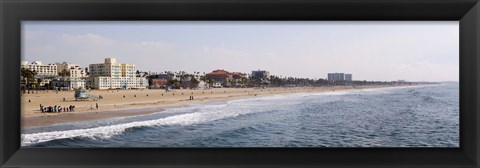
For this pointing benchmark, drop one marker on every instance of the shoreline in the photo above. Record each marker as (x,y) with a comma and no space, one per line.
(143,102)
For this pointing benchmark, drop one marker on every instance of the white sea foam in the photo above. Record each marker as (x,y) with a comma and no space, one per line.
(206,113)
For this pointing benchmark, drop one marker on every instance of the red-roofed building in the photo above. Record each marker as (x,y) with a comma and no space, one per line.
(221,76)
(226,78)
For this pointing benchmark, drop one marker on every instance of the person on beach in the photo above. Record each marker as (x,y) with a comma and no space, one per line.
(96,105)
(64,99)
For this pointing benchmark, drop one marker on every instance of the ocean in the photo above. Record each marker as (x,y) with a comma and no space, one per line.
(411,116)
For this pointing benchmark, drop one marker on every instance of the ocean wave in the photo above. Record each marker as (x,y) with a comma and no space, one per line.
(206,113)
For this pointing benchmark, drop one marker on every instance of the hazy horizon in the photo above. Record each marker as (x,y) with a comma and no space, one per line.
(379,51)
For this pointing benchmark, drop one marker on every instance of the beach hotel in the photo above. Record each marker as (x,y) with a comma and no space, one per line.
(225,78)
(339,77)
(41,69)
(113,75)
(45,72)
(74,70)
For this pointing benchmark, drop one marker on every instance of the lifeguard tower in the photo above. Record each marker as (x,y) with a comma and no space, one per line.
(82,94)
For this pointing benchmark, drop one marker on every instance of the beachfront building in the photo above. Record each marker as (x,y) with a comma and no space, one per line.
(217,84)
(238,79)
(260,77)
(160,80)
(220,76)
(167,76)
(74,70)
(68,83)
(41,69)
(336,76)
(348,77)
(157,83)
(44,73)
(113,75)
(261,74)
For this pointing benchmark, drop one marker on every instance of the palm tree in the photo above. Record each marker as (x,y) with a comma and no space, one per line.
(64,73)
(209,81)
(195,82)
(28,75)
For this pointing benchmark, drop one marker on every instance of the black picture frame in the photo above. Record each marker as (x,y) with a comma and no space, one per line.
(12,12)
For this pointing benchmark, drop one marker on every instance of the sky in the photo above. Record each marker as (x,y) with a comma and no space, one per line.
(377,50)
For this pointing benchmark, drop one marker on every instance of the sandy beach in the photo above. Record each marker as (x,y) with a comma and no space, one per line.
(121,103)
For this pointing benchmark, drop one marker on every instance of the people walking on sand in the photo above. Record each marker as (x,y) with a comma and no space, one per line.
(96,105)
(41,108)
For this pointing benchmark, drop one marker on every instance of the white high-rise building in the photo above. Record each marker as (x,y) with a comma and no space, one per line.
(74,69)
(348,77)
(336,76)
(339,77)
(41,69)
(113,75)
